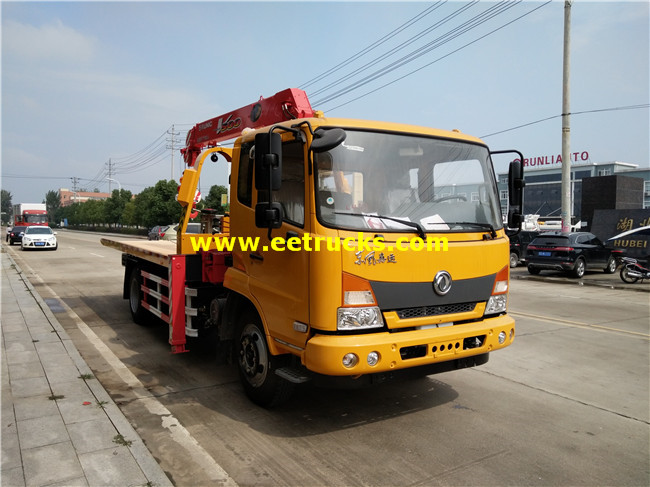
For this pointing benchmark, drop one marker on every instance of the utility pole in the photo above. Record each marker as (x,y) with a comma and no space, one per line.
(75,180)
(110,174)
(566,123)
(172,140)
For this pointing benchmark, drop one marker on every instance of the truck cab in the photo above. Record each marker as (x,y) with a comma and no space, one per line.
(380,249)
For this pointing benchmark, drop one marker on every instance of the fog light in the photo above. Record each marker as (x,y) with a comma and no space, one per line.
(350,360)
(373,358)
(512,333)
(502,337)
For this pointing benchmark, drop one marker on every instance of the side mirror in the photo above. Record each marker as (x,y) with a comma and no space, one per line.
(268,215)
(516,185)
(325,140)
(268,161)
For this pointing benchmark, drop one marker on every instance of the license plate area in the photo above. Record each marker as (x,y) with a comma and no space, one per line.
(544,254)
(39,244)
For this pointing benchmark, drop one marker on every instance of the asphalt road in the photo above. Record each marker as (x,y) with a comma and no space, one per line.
(566,404)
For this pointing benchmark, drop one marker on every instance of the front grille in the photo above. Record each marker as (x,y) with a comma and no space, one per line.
(445,309)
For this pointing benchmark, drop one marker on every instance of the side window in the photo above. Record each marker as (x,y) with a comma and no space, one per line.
(292,192)
(582,239)
(245,176)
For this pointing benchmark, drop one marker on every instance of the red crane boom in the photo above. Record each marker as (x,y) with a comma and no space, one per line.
(284,105)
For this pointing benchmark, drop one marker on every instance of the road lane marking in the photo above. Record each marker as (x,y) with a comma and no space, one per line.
(578,324)
(97,255)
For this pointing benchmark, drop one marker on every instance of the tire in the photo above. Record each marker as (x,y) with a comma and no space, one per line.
(579,268)
(611,266)
(533,270)
(257,365)
(625,277)
(138,313)
(514,259)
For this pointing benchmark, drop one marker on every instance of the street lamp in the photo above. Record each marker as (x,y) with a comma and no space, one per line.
(119,186)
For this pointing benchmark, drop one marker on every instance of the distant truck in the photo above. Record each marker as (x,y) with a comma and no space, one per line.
(25,215)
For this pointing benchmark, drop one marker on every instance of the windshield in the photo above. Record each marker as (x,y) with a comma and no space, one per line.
(38,231)
(378,180)
(33,219)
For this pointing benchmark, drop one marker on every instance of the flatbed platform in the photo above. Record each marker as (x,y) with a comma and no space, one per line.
(156,251)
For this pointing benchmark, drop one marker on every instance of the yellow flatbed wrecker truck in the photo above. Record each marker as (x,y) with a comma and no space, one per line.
(354,252)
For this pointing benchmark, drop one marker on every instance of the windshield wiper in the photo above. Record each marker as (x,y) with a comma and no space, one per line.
(408,223)
(489,226)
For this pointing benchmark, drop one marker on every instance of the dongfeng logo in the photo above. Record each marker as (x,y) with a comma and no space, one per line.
(442,283)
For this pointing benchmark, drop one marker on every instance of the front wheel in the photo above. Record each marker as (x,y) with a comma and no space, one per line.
(257,366)
(626,277)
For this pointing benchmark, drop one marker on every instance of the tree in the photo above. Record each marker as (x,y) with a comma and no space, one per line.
(213,200)
(157,205)
(7,212)
(53,206)
(114,206)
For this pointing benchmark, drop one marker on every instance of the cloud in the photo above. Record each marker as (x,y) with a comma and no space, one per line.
(54,43)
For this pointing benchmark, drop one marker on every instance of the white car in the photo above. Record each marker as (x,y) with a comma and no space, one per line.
(39,237)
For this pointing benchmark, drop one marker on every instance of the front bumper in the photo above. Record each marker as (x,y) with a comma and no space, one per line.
(38,244)
(400,350)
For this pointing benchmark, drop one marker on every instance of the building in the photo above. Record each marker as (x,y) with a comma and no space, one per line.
(70,197)
(543,191)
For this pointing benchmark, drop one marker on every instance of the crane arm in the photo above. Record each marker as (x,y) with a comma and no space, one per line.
(284,105)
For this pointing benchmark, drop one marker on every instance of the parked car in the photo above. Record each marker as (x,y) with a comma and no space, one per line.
(572,253)
(155,232)
(519,246)
(38,237)
(171,230)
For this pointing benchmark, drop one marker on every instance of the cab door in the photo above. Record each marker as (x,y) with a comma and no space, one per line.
(279,279)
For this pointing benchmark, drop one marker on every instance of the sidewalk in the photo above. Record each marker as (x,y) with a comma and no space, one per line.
(59,425)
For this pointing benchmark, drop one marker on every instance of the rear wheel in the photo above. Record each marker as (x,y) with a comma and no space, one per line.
(611,266)
(138,313)
(533,270)
(514,259)
(626,277)
(257,366)
(579,268)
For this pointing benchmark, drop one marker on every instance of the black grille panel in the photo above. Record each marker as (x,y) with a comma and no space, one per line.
(445,309)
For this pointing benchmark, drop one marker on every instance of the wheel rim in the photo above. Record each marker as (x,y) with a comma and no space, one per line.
(253,356)
(513,260)
(612,266)
(580,268)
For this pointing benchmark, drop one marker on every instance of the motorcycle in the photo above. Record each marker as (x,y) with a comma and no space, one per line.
(632,271)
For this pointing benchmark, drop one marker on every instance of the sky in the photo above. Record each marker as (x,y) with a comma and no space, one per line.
(93,87)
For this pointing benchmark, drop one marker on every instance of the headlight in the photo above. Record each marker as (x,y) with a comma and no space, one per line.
(497,304)
(359,318)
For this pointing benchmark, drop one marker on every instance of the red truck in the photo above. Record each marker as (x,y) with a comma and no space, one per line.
(25,215)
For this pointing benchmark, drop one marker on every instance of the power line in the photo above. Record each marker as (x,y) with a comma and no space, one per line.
(442,57)
(396,49)
(629,107)
(374,45)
